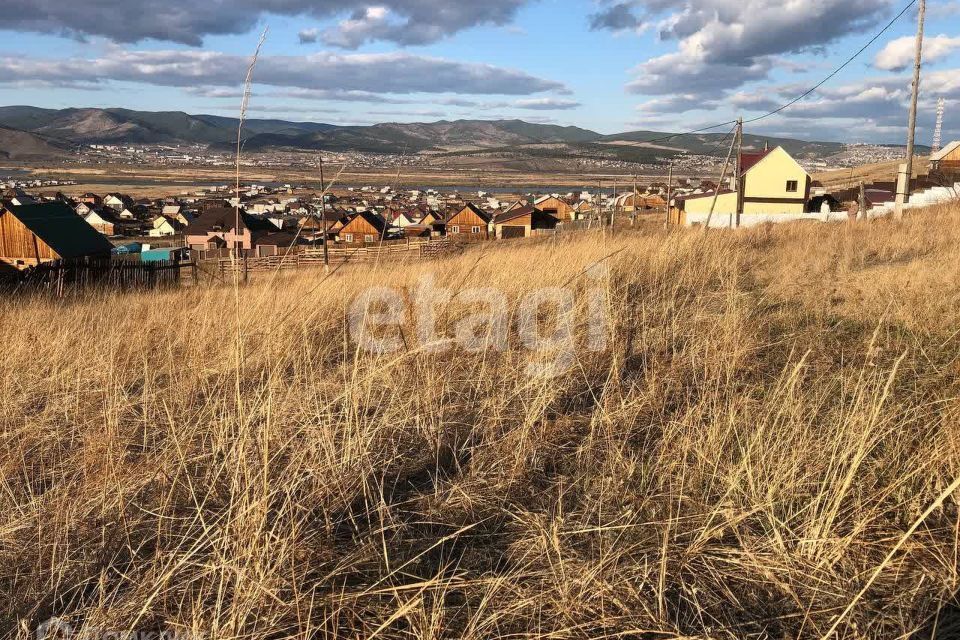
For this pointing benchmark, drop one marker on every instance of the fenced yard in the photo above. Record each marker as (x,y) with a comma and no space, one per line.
(314,257)
(63,276)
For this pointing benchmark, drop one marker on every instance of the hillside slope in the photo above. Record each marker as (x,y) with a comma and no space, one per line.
(744,432)
(22,145)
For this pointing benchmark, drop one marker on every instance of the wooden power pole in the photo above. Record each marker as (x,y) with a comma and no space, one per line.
(323,217)
(903,180)
(723,176)
(738,181)
(669,192)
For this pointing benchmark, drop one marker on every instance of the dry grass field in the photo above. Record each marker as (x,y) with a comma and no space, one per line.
(765,449)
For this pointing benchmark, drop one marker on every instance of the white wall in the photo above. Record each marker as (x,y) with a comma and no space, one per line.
(728,220)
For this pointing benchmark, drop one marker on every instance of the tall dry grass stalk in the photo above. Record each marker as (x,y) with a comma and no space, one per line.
(236,247)
(755,455)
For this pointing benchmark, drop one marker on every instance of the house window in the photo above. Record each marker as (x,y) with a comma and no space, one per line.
(474,229)
(368,237)
(791,186)
(348,237)
(455,229)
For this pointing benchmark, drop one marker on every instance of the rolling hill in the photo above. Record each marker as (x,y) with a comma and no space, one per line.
(514,139)
(460,135)
(23,145)
(124,126)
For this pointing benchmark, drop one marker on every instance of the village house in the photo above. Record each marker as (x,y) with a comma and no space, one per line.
(117,201)
(404,219)
(555,206)
(18,197)
(164,226)
(435,221)
(947,160)
(364,228)
(134,212)
(771,187)
(36,233)
(102,221)
(219,228)
(317,228)
(470,223)
(523,222)
(273,243)
(634,202)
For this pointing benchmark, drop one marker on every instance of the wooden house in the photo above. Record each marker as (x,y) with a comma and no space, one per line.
(516,205)
(471,223)
(523,222)
(364,228)
(38,233)
(319,227)
(559,209)
(435,221)
(947,160)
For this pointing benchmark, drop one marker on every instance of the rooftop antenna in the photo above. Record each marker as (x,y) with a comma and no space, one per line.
(938,130)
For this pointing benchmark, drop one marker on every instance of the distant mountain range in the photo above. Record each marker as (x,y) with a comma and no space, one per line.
(34,132)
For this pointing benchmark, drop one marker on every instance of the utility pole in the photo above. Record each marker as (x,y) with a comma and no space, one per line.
(613,210)
(716,192)
(903,181)
(323,218)
(633,214)
(669,192)
(862,204)
(600,210)
(739,179)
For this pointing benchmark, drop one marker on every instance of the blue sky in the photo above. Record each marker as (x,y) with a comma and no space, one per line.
(607,65)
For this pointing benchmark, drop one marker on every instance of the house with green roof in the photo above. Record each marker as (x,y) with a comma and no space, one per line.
(32,234)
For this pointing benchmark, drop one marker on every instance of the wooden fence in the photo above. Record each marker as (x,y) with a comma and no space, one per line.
(313,257)
(63,276)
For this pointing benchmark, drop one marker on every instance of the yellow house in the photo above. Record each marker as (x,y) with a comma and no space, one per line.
(772,187)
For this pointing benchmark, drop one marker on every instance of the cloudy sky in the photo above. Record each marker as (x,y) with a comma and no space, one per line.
(607,65)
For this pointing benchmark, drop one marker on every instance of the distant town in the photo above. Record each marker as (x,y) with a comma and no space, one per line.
(49,221)
(165,155)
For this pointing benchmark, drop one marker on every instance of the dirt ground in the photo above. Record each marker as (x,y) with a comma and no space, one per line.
(144,181)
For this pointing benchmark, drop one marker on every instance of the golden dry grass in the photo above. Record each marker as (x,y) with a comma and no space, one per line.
(776,409)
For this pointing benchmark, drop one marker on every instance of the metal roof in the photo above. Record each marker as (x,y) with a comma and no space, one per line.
(66,233)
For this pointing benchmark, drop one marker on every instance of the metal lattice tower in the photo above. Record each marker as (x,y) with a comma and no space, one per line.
(938,130)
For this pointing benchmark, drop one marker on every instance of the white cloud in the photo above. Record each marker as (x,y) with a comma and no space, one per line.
(545,104)
(374,73)
(189,21)
(725,44)
(898,54)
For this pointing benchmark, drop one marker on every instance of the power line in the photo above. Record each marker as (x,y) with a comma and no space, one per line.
(838,69)
(802,95)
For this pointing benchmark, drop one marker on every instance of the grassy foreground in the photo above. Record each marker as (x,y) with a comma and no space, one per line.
(776,410)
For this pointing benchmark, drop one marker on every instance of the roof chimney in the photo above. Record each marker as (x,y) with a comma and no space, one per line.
(766,145)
